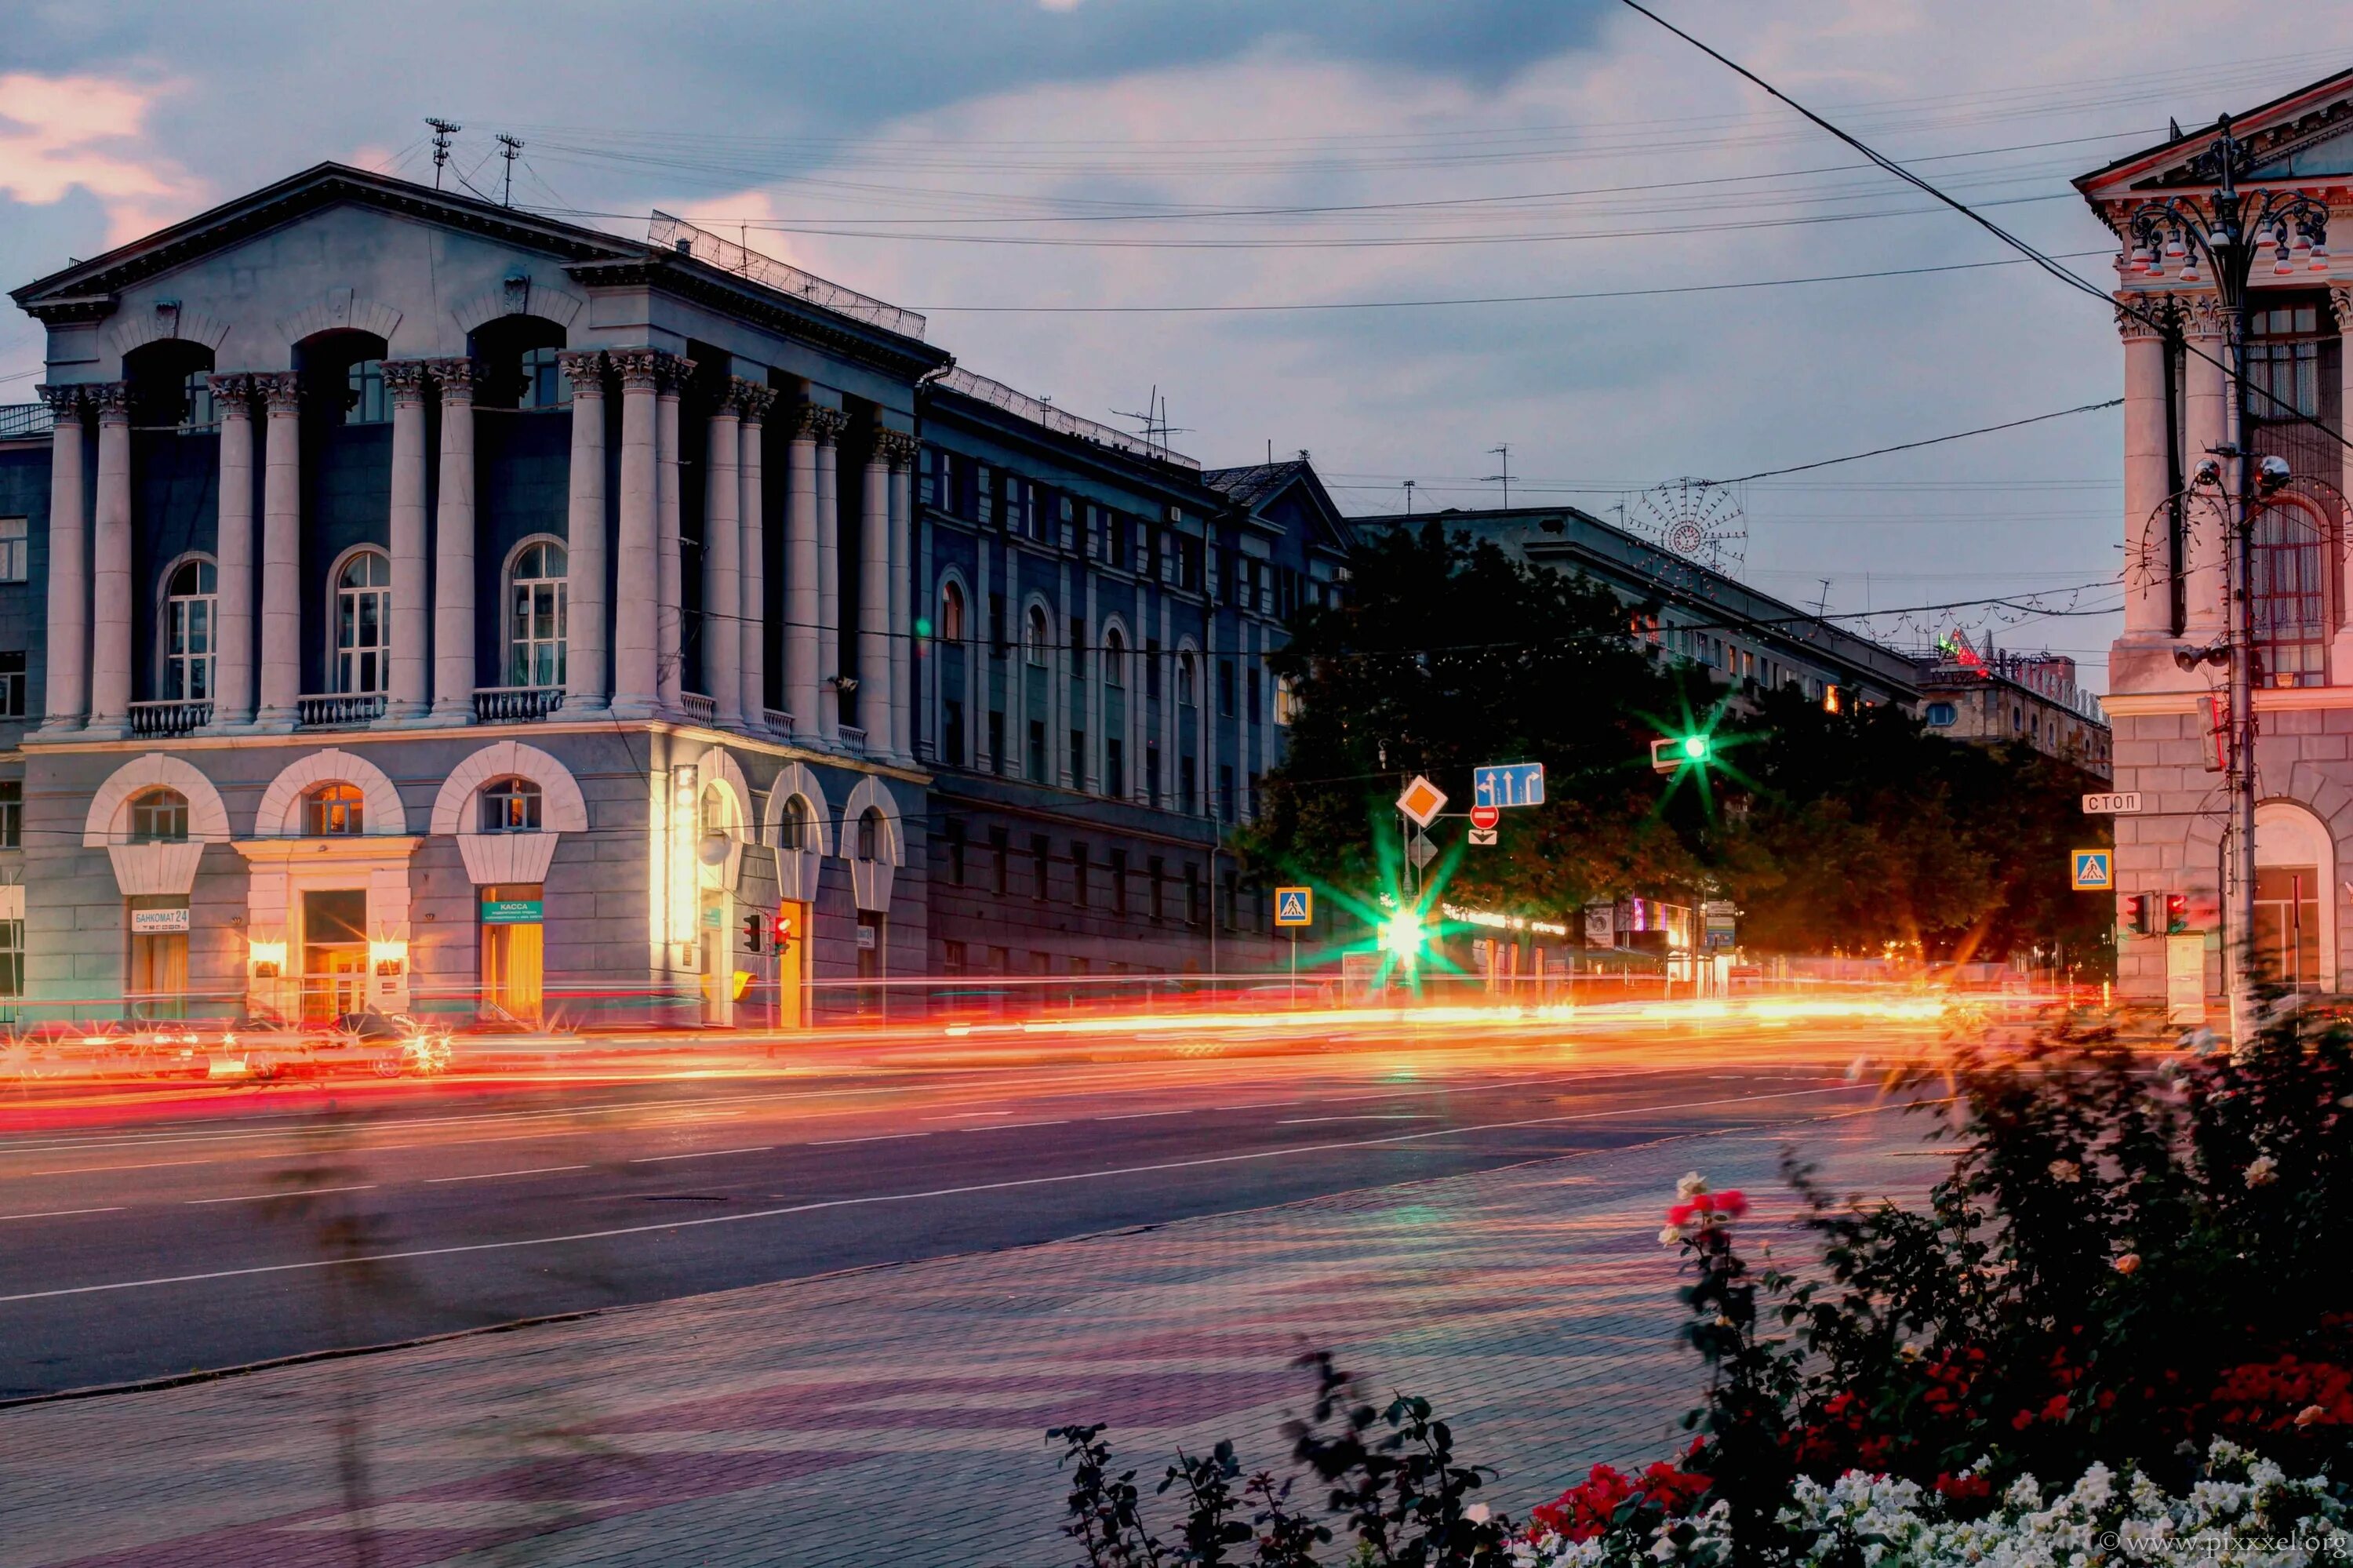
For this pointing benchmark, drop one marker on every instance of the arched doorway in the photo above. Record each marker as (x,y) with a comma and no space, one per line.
(2296,904)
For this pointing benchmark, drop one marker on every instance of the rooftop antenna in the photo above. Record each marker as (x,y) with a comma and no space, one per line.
(510,148)
(1155,421)
(442,130)
(1504,478)
(1822,603)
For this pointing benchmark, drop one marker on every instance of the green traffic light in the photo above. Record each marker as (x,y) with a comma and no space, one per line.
(1695,747)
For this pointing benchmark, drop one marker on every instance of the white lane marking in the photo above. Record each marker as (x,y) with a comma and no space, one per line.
(495,1175)
(290,1193)
(1008,1185)
(1010,1126)
(963,1116)
(88,1170)
(1139,1116)
(875,1138)
(700,1154)
(59,1213)
(1365,1116)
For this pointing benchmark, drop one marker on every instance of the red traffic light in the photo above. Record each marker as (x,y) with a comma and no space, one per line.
(781,926)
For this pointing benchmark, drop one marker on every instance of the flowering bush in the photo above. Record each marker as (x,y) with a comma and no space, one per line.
(2241,1511)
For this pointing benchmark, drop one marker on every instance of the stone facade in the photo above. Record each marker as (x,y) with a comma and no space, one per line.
(2166,683)
(603,601)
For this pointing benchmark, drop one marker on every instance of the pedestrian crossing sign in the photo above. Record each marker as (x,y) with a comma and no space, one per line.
(2094,871)
(1294,907)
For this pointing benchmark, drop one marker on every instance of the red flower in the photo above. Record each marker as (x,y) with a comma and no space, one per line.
(1681,1213)
(1964,1488)
(1586,1510)
(1732,1202)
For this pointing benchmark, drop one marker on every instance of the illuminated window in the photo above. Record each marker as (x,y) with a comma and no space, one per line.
(333,811)
(511,806)
(951,613)
(1036,637)
(363,623)
(189,601)
(158,817)
(1286,701)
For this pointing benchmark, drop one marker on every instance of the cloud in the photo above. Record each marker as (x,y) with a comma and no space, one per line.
(63,134)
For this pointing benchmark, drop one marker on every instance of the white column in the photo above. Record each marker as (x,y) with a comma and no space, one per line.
(233,551)
(636,642)
(874,601)
(66,697)
(669,675)
(281,550)
(453,547)
(831,664)
(409,683)
(723,566)
(2205,425)
(755,400)
(110,627)
(801,673)
(586,618)
(2149,545)
(902,622)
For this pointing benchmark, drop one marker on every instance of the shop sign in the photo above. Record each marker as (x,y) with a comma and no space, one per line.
(511,911)
(150,922)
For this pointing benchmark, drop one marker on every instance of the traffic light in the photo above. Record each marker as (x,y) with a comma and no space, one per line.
(781,925)
(1402,936)
(1673,752)
(2159,914)
(753,924)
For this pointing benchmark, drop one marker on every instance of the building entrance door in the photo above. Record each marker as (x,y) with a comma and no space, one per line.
(792,969)
(159,974)
(334,953)
(2287,924)
(513,944)
(717,932)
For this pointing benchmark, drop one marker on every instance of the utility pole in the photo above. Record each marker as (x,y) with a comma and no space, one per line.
(2225,230)
(1408,498)
(510,148)
(442,130)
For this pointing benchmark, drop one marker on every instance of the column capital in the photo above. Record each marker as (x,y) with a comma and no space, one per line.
(2340,304)
(454,376)
(750,397)
(405,380)
(585,367)
(281,390)
(2141,317)
(672,373)
(113,401)
(2202,315)
(232,390)
(896,448)
(640,369)
(822,425)
(65,402)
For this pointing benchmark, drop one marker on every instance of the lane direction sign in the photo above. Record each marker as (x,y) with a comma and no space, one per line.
(1421,801)
(2091,869)
(1508,784)
(1294,907)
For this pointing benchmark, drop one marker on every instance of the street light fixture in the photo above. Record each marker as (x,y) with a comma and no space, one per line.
(2219,231)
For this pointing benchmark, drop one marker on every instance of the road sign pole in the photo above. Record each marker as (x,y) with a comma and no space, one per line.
(1295,968)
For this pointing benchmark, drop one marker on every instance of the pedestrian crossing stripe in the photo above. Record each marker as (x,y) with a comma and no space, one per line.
(1295,906)
(2093,870)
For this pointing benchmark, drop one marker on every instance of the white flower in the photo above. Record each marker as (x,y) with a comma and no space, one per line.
(2262,1171)
(1670,1235)
(1476,1513)
(1692,1185)
(2066,1171)
(1857,1069)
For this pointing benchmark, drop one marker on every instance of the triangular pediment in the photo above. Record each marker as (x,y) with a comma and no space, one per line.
(2303,134)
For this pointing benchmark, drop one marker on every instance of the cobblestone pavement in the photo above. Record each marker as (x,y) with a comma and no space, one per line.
(897,1416)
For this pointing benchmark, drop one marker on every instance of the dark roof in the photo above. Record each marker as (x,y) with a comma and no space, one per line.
(1257,484)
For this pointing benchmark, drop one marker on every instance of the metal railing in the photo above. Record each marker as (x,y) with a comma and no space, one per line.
(505,705)
(668,233)
(339,710)
(1037,411)
(170,718)
(698,708)
(18,420)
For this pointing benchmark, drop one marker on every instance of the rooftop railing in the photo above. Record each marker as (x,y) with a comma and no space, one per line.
(18,420)
(1037,411)
(668,233)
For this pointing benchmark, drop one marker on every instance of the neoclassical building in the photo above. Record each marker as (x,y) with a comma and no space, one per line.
(408,600)
(2164,703)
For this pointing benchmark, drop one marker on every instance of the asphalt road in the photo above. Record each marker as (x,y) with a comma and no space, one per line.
(138,1248)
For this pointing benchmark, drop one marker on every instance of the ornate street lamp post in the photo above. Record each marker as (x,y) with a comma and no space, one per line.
(2219,231)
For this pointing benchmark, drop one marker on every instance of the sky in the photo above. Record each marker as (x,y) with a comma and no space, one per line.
(1045,181)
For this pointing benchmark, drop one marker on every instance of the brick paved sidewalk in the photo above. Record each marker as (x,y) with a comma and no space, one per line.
(898,1414)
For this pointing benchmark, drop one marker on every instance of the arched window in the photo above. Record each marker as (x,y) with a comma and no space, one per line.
(1185,687)
(1114,659)
(797,827)
(538,610)
(333,811)
(171,385)
(189,605)
(951,613)
(510,806)
(343,378)
(869,835)
(363,623)
(515,364)
(158,817)
(1037,637)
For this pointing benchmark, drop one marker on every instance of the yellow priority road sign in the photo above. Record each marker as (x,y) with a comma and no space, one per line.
(2091,869)
(1294,907)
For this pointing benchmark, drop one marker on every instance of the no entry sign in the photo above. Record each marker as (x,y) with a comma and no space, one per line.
(1485,817)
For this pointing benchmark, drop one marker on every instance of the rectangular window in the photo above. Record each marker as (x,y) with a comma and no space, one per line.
(1119,881)
(12,958)
(1095,532)
(1156,870)
(12,685)
(955,850)
(927,487)
(1152,775)
(1068,510)
(1286,701)
(952,734)
(1152,668)
(1042,856)
(1037,751)
(1078,760)
(15,549)
(1000,846)
(1079,649)
(1080,870)
(952,958)
(1187,787)
(983,485)
(1254,710)
(1225,791)
(1115,769)
(1192,895)
(11,814)
(1230,906)
(997,757)
(996,627)
(1114,540)
(1225,688)
(1249,798)
(1000,960)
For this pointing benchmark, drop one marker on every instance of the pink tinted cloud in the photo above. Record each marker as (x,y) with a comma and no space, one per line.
(63,134)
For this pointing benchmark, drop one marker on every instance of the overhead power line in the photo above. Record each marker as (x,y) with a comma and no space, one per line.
(1925,441)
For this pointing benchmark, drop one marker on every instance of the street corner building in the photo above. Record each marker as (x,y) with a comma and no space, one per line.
(412,603)
(2169,690)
